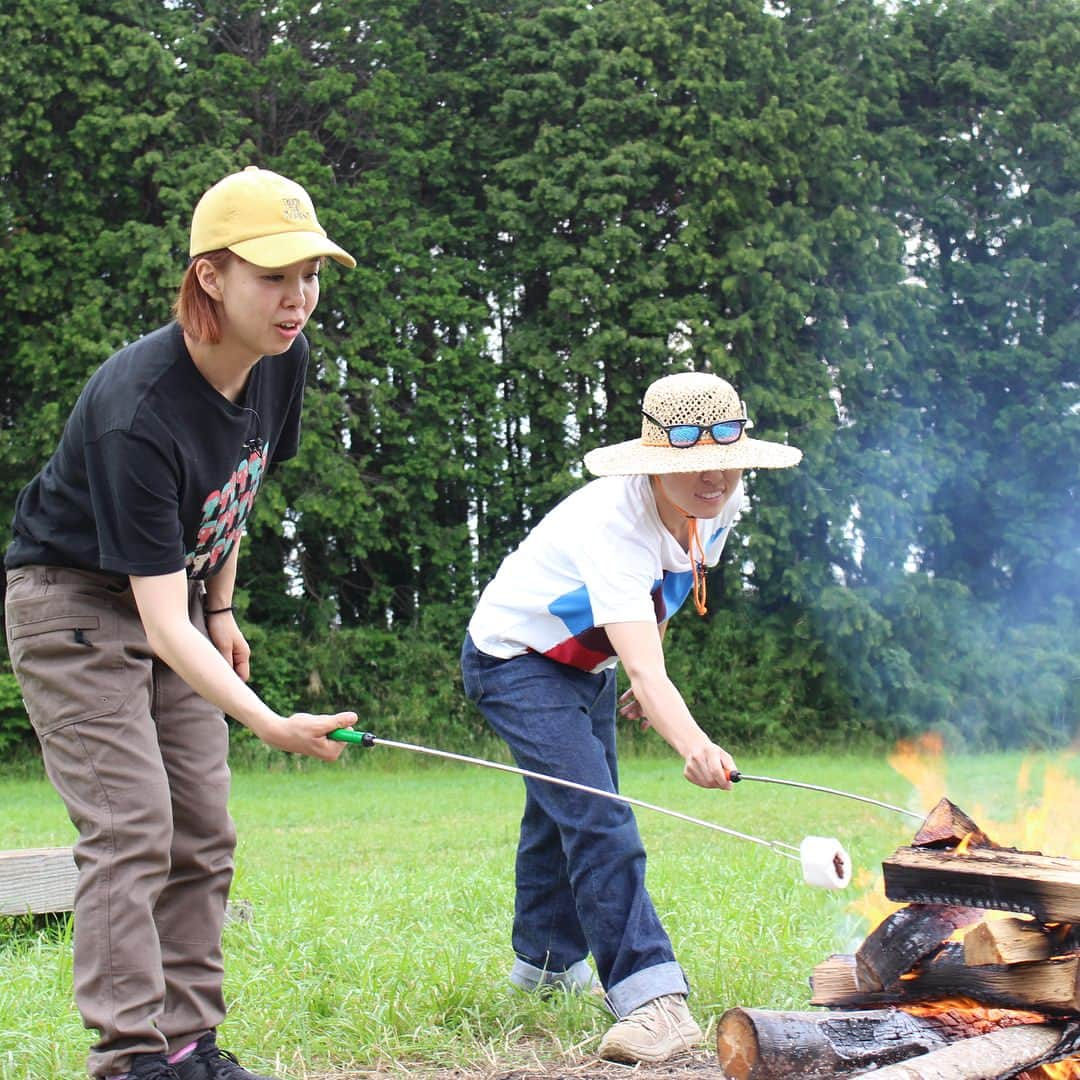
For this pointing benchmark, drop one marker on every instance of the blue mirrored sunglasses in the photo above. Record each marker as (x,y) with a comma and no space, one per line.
(682,436)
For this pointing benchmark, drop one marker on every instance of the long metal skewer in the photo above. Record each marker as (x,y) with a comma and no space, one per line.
(365,738)
(736,776)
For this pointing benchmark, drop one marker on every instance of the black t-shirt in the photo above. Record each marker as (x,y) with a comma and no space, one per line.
(156,471)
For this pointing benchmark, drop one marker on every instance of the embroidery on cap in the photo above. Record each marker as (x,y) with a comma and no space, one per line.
(294,209)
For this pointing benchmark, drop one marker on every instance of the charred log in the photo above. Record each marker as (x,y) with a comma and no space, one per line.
(1048,986)
(984,1057)
(1043,886)
(906,937)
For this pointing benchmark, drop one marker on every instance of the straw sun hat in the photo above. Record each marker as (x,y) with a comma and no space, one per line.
(675,406)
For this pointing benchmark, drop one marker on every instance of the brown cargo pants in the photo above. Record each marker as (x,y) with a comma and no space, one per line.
(140,762)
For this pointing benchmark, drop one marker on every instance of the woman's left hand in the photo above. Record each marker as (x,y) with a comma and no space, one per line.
(630,709)
(229,640)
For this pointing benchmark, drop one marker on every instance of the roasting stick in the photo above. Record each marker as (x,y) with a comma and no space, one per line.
(366,738)
(735,776)
(824,862)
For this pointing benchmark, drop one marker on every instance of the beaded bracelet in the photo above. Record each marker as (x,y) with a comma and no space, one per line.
(218,611)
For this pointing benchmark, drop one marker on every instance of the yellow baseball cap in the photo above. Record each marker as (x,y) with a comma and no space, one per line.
(267,219)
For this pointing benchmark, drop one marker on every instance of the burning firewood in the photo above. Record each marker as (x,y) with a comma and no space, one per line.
(1044,886)
(984,1057)
(1049,986)
(947,826)
(1008,941)
(916,1003)
(907,936)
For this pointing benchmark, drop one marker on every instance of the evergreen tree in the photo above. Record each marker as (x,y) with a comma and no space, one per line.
(90,213)
(961,419)
(863,215)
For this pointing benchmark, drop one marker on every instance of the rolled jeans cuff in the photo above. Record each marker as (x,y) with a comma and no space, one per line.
(645,985)
(577,978)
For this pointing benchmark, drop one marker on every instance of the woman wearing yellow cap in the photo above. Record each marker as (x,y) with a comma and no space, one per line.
(121,630)
(595,583)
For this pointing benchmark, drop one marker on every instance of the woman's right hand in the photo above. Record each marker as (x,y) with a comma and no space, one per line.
(709,766)
(305,733)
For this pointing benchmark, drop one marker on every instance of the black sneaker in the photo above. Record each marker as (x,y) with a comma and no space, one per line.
(150,1067)
(209,1062)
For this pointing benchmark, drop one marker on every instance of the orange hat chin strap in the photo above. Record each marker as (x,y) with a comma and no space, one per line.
(695,551)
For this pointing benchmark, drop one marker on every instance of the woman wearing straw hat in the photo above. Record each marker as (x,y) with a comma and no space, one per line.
(121,630)
(594,584)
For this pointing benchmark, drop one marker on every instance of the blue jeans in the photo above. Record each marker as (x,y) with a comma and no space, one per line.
(580,862)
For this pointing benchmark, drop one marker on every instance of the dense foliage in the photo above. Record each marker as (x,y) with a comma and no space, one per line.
(864,215)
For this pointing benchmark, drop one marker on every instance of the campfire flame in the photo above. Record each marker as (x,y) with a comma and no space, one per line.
(921,762)
(1041,827)
(1057,1070)
(973,1014)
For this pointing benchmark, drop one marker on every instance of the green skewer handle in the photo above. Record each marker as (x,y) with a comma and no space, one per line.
(364,738)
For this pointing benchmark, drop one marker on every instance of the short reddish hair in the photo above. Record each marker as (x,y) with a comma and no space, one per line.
(195,310)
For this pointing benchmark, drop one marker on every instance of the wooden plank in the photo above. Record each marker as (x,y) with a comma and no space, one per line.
(40,881)
(34,881)
(1046,887)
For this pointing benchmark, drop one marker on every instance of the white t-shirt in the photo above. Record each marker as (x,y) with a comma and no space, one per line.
(601,556)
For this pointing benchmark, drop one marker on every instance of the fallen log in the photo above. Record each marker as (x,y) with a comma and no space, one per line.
(984,1057)
(757,1044)
(1044,886)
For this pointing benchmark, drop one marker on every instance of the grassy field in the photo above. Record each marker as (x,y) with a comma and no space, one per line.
(382,890)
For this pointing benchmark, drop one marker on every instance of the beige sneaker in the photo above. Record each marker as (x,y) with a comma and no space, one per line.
(653,1032)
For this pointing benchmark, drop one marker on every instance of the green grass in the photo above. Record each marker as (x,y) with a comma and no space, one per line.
(382,891)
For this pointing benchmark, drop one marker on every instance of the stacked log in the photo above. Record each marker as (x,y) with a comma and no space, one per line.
(914,1003)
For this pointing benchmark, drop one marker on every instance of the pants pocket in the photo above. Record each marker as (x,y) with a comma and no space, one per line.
(67,659)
